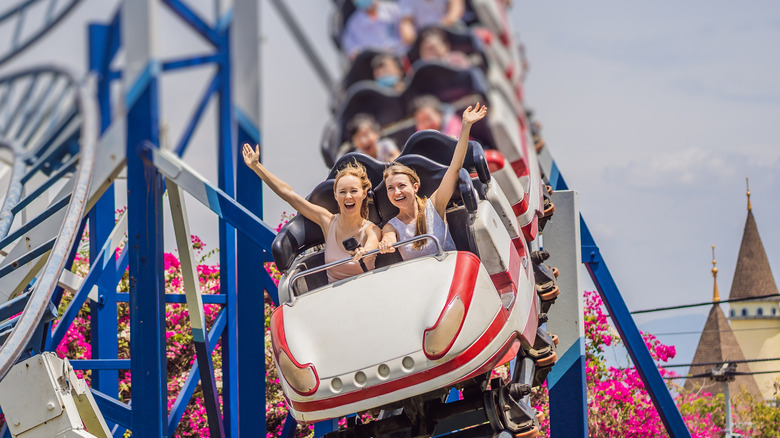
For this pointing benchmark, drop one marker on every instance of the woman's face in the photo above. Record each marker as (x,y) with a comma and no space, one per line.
(365,139)
(432,48)
(349,194)
(427,118)
(402,191)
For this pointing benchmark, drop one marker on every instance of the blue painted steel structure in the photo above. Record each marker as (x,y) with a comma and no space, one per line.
(147,415)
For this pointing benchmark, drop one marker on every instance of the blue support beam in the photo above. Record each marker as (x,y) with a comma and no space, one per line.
(632,338)
(227,237)
(145,245)
(103,313)
(195,21)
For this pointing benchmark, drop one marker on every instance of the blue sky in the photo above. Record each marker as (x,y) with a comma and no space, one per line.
(654,111)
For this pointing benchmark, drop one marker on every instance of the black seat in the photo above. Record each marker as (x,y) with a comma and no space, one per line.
(338,20)
(459,39)
(439,148)
(451,85)
(368,97)
(447,83)
(374,167)
(361,69)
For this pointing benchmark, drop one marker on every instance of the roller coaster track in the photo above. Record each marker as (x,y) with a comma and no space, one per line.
(27,21)
(48,123)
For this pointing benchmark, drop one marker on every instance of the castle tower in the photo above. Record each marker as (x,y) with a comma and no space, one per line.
(756,323)
(718,344)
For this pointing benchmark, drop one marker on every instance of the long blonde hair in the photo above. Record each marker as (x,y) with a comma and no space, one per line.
(357,170)
(422,226)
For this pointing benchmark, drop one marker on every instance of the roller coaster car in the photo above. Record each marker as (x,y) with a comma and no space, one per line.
(406,329)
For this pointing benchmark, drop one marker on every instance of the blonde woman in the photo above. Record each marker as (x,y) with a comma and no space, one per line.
(350,188)
(416,214)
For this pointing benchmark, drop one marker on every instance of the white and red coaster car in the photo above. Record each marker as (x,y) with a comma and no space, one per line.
(408,328)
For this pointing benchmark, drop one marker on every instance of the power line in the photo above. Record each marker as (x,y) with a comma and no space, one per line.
(707,303)
(725,330)
(770,359)
(740,374)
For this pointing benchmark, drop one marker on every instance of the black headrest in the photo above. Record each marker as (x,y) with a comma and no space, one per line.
(361,69)
(374,168)
(368,97)
(300,233)
(448,84)
(460,39)
(439,148)
(338,19)
(430,173)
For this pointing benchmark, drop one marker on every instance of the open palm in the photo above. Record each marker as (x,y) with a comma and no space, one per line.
(251,157)
(471,115)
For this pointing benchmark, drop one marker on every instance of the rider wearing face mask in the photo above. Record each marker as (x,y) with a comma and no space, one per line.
(387,72)
(374,25)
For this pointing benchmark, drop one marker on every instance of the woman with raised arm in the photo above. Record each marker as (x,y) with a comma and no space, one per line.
(350,188)
(417,215)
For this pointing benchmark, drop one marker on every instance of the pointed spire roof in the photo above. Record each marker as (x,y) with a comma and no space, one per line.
(718,344)
(753,276)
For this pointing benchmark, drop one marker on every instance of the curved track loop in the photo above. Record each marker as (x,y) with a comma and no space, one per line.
(37,111)
(69,122)
(27,21)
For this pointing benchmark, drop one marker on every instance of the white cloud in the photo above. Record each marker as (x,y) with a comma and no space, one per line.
(691,167)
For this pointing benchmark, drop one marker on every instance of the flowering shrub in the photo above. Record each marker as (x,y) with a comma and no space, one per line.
(180,350)
(618,404)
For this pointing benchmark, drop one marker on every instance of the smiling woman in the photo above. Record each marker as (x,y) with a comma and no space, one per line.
(350,188)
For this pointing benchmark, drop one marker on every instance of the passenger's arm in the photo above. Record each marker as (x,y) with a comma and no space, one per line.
(389,238)
(407,31)
(313,212)
(455,11)
(443,193)
(372,242)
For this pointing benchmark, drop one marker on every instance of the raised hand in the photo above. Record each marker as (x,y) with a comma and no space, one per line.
(471,115)
(251,157)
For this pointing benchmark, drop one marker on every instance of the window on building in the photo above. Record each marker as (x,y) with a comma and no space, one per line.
(760,311)
(774,311)
(744,312)
(732,313)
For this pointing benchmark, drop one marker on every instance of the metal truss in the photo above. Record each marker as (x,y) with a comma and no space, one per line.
(46,136)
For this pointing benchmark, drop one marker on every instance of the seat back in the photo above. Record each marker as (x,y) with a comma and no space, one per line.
(363,97)
(447,83)
(438,147)
(459,39)
(374,168)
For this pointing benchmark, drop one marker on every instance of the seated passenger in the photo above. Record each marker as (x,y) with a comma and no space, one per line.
(387,71)
(428,113)
(374,25)
(434,46)
(350,189)
(417,14)
(363,131)
(417,215)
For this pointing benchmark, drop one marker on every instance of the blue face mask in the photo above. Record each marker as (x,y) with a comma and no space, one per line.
(388,81)
(362,4)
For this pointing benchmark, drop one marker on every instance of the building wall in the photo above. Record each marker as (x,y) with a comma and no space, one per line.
(759,338)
